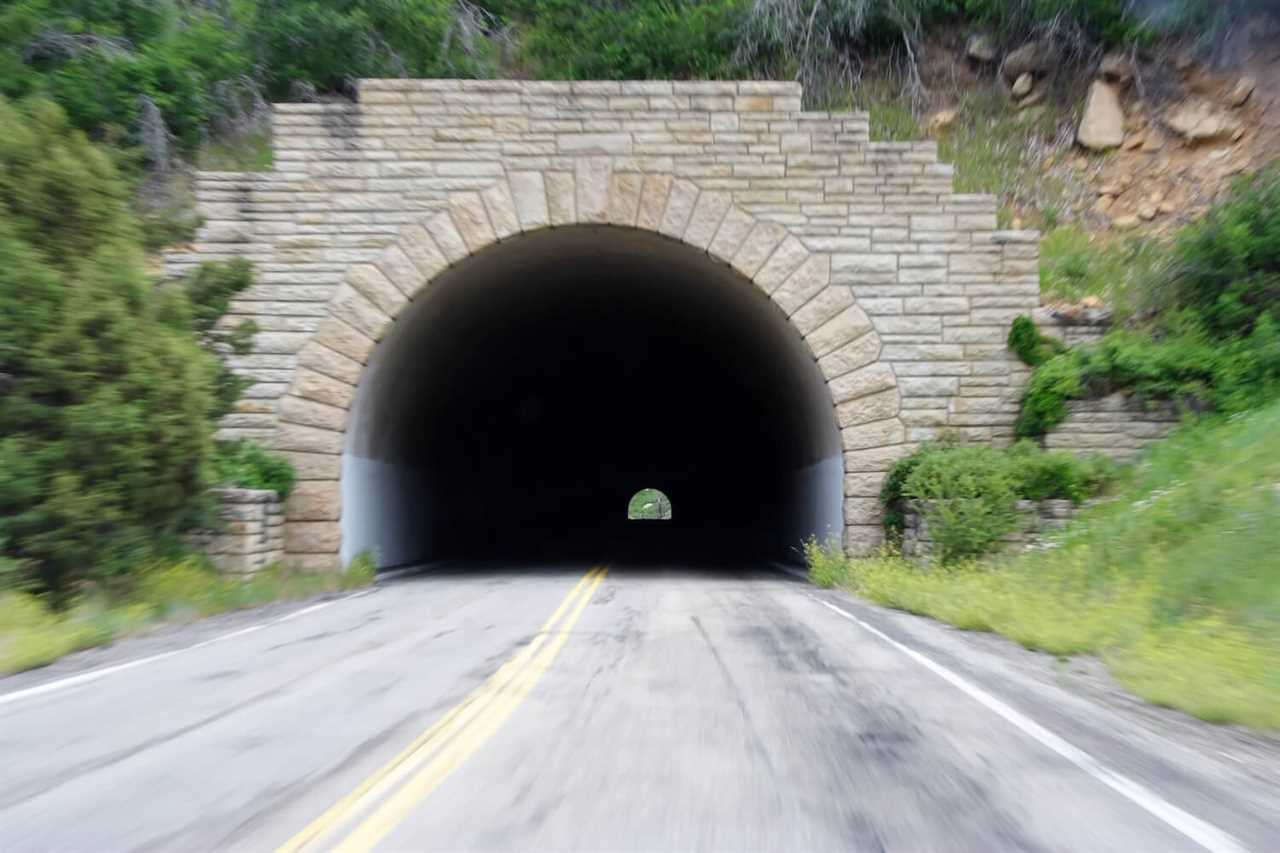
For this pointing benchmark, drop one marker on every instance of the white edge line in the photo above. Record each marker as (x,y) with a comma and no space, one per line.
(1205,834)
(95,674)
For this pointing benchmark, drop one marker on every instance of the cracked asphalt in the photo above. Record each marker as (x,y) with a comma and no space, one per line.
(642,709)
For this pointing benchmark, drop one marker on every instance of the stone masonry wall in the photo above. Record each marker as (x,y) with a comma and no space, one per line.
(1117,426)
(252,533)
(936,279)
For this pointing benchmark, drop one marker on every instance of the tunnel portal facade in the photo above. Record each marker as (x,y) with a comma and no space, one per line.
(855,305)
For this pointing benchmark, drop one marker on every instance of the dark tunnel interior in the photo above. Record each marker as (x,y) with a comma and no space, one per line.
(523,399)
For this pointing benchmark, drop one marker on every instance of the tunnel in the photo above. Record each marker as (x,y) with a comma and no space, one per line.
(533,389)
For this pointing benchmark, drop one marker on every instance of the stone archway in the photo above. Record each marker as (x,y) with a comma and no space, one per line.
(838,334)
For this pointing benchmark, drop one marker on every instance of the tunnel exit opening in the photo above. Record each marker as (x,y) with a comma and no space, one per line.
(510,411)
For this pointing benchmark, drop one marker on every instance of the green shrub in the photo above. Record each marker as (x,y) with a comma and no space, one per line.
(105,415)
(1213,341)
(1029,345)
(970,494)
(827,563)
(1228,272)
(247,465)
(362,571)
(967,496)
(635,40)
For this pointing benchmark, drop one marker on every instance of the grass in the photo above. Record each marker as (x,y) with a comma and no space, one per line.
(1075,264)
(1174,584)
(33,635)
(247,153)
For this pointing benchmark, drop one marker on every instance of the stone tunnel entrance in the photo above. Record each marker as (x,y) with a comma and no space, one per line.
(517,405)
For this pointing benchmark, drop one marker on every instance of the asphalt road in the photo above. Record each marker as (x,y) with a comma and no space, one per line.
(578,710)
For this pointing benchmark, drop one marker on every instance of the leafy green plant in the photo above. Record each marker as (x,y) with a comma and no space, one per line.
(968,495)
(1029,345)
(247,465)
(1212,340)
(826,561)
(362,571)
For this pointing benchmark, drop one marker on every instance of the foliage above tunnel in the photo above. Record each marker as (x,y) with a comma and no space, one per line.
(167,75)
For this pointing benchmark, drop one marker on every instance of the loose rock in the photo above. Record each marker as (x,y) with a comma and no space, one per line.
(940,122)
(1134,140)
(1197,120)
(1023,85)
(980,48)
(1241,91)
(1115,67)
(1125,223)
(1031,58)
(1102,125)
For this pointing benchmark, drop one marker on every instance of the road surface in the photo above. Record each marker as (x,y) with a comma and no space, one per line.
(593,710)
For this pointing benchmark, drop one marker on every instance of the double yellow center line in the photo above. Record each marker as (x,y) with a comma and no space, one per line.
(364,817)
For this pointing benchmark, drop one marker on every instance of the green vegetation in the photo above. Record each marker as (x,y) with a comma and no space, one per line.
(1211,339)
(247,465)
(110,383)
(1033,348)
(649,504)
(105,419)
(1075,265)
(969,495)
(1173,582)
(32,635)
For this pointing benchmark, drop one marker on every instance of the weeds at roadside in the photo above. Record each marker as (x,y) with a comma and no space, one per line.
(33,635)
(1173,582)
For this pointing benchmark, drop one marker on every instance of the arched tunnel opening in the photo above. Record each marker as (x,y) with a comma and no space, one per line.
(527,395)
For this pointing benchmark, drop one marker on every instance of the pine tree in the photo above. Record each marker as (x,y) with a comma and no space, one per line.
(106,396)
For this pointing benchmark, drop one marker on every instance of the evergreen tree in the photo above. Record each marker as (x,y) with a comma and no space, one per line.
(106,396)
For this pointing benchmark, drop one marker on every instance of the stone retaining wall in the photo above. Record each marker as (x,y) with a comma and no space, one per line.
(252,534)
(1118,426)
(1035,518)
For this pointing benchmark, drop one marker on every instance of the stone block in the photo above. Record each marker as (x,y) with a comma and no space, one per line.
(314,500)
(680,203)
(592,178)
(624,198)
(708,212)
(471,219)
(850,356)
(808,280)
(312,537)
(501,207)
(860,383)
(653,201)
(377,288)
(529,194)
(562,204)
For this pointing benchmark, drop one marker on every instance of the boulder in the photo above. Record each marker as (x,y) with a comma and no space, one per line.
(1147,212)
(1023,86)
(1126,222)
(1241,92)
(1034,57)
(940,122)
(1115,67)
(1102,125)
(1197,120)
(980,48)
